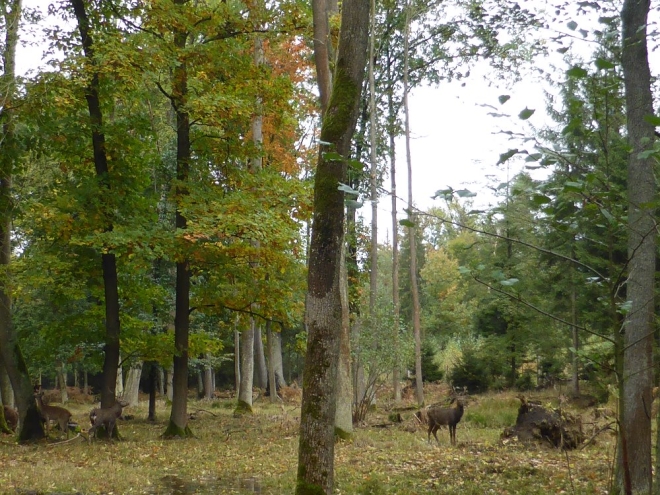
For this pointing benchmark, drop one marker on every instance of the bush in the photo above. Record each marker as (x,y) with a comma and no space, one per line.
(472,371)
(431,372)
(525,381)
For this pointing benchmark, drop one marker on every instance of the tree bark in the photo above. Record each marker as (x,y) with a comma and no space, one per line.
(6,391)
(209,386)
(260,370)
(244,404)
(132,389)
(634,473)
(178,424)
(14,364)
(108,260)
(272,381)
(344,413)
(324,306)
(419,388)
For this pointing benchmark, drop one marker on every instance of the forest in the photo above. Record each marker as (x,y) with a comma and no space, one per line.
(191,250)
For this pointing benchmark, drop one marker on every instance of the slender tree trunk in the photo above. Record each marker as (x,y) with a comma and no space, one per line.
(272,381)
(119,385)
(178,424)
(411,229)
(324,306)
(108,260)
(237,357)
(344,412)
(635,433)
(61,378)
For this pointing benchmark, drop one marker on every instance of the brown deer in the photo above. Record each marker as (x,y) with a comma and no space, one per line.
(105,417)
(11,417)
(55,413)
(445,416)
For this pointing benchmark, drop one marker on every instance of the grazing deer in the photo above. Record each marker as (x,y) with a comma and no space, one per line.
(105,417)
(11,417)
(55,413)
(445,416)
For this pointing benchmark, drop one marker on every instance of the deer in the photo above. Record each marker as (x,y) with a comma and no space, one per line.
(55,413)
(445,416)
(105,416)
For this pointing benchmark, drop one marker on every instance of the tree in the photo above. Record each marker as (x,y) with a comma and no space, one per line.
(109,262)
(324,305)
(12,357)
(634,473)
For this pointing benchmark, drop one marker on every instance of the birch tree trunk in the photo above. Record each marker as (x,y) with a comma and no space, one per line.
(324,306)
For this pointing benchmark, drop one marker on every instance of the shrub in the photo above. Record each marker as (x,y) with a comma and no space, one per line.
(431,372)
(472,371)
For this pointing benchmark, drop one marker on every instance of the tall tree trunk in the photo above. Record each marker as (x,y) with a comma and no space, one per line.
(169,383)
(237,357)
(178,424)
(278,366)
(272,381)
(244,404)
(419,388)
(634,459)
(260,370)
(119,385)
(324,306)
(61,379)
(344,412)
(108,260)
(132,389)
(209,386)
(15,366)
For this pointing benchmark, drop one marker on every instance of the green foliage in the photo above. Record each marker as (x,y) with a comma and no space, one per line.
(431,371)
(474,370)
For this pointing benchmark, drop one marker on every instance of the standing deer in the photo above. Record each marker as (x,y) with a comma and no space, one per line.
(105,417)
(55,413)
(445,416)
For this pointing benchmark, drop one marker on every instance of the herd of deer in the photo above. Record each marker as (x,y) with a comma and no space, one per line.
(106,417)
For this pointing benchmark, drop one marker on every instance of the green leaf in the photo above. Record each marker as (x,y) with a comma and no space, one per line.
(347,189)
(644,155)
(332,156)
(464,270)
(562,50)
(407,223)
(354,204)
(654,120)
(540,199)
(572,25)
(443,193)
(505,156)
(577,71)
(465,193)
(608,215)
(526,113)
(534,157)
(603,64)
(503,99)
(570,186)
(509,282)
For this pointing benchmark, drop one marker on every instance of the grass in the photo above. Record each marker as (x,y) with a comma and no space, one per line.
(258,454)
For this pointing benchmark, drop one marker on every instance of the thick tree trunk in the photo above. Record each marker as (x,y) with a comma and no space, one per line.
(132,389)
(6,391)
(324,306)
(15,366)
(244,404)
(260,369)
(634,459)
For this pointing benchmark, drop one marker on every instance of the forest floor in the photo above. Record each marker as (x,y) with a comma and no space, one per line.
(258,454)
